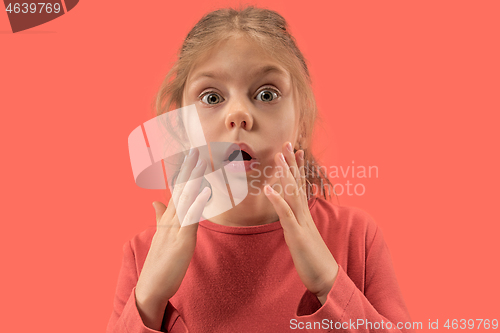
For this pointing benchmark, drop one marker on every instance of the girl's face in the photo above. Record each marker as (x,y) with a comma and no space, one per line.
(244,96)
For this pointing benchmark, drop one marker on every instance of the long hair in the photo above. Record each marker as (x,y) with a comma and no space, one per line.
(270,30)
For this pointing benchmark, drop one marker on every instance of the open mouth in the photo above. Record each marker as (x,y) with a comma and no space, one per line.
(239,155)
(239,152)
(240,158)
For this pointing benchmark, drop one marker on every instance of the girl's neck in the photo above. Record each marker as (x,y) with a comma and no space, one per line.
(253,210)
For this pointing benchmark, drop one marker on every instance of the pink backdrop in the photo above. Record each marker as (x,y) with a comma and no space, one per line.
(409,87)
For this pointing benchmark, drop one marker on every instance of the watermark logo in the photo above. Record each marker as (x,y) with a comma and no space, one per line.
(24,15)
(164,151)
(159,147)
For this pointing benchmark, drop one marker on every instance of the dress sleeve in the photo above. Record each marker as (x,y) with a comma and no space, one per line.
(125,317)
(380,308)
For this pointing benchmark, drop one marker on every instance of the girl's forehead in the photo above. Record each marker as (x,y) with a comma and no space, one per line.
(236,54)
(250,72)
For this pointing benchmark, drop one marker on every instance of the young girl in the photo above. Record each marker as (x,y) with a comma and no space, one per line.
(282,259)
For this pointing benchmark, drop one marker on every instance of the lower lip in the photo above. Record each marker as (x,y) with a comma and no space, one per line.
(240,166)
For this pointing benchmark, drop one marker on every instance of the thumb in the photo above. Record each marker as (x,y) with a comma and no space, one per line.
(160,209)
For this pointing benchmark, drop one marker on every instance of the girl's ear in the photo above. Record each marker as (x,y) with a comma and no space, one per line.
(301,140)
(300,144)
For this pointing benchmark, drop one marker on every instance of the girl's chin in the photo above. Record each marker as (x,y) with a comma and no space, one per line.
(240,166)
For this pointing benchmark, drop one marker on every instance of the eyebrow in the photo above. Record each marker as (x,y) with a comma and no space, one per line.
(260,71)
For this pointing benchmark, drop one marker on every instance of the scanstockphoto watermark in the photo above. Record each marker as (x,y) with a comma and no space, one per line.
(344,180)
(353,325)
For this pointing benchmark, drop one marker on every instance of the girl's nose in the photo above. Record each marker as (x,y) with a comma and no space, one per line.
(239,118)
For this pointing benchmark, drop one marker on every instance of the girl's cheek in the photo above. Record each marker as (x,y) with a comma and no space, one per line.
(281,131)
(211,136)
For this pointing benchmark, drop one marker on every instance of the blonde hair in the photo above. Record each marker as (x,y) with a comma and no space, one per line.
(270,30)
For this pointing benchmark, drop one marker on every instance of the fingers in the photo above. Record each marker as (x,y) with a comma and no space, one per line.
(187,185)
(295,162)
(165,216)
(160,210)
(302,173)
(190,222)
(287,216)
(184,173)
(288,182)
(190,190)
(291,159)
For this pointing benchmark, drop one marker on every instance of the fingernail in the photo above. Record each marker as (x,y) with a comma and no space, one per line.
(268,189)
(301,154)
(199,163)
(185,159)
(282,157)
(289,147)
(205,190)
(191,152)
(153,205)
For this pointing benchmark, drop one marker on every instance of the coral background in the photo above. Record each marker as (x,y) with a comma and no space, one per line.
(409,87)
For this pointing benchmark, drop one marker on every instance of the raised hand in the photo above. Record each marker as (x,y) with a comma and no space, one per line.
(312,259)
(173,243)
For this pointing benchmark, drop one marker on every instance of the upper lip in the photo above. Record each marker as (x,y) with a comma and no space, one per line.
(241,146)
